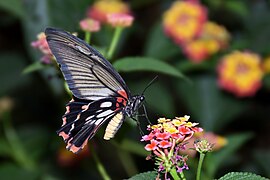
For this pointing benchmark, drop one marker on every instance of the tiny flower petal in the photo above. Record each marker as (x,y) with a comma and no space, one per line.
(120,20)
(164,144)
(152,146)
(90,25)
(102,8)
(148,137)
(162,136)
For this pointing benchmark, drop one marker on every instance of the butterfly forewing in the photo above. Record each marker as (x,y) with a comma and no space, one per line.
(88,74)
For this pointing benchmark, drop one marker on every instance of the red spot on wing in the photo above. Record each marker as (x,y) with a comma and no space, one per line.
(122,93)
(64,121)
(71,147)
(64,135)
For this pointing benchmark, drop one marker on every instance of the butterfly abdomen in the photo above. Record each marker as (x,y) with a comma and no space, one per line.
(113,126)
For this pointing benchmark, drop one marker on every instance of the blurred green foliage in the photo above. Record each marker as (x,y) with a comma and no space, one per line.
(29,146)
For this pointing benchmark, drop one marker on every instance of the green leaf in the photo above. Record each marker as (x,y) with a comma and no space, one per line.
(130,64)
(11,66)
(262,157)
(216,160)
(12,172)
(133,147)
(4,148)
(208,104)
(163,105)
(145,176)
(242,176)
(34,67)
(159,46)
(14,7)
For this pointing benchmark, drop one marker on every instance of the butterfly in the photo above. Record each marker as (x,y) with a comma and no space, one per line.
(99,93)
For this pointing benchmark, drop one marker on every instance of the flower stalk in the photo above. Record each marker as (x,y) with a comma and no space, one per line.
(114,42)
(100,166)
(199,169)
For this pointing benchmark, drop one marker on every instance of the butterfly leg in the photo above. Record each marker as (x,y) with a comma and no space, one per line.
(146,116)
(139,125)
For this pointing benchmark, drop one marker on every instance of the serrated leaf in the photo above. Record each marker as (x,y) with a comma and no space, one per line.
(34,67)
(130,64)
(151,175)
(242,176)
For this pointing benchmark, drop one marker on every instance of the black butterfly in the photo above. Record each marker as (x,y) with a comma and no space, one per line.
(99,92)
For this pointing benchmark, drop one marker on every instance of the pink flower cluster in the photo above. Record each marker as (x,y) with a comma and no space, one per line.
(43,46)
(167,138)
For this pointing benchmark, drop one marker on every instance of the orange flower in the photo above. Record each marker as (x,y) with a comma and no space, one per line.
(120,20)
(199,50)
(240,73)
(102,8)
(90,25)
(184,20)
(66,158)
(212,39)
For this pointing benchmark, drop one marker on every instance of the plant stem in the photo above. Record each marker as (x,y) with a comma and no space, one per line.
(116,37)
(100,167)
(198,176)
(87,37)
(18,152)
(174,174)
(182,175)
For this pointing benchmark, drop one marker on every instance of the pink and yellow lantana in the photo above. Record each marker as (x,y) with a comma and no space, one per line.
(184,20)
(101,8)
(166,139)
(42,45)
(89,25)
(240,73)
(212,39)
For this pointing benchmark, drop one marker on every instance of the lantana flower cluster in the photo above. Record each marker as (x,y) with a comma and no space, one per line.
(166,139)
(42,45)
(240,73)
(187,24)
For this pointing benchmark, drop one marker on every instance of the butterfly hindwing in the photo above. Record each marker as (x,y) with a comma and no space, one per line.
(82,120)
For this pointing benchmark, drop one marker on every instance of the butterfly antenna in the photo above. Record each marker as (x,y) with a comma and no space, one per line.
(150,83)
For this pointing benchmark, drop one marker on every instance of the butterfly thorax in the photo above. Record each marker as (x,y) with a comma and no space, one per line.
(133,105)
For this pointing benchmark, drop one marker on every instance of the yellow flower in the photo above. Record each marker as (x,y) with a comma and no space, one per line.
(200,49)
(102,8)
(177,123)
(266,65)
(240,73)
(184,20)
(213,31)
(162,120)
(171,130)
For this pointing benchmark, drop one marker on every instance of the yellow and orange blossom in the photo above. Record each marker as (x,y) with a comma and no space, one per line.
(101,8)
(184,21)
(240,73)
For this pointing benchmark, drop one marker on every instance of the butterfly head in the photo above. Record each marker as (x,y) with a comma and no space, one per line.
(134,104)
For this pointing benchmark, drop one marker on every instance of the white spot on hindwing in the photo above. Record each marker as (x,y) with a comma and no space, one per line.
(106,104)
(105,113)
